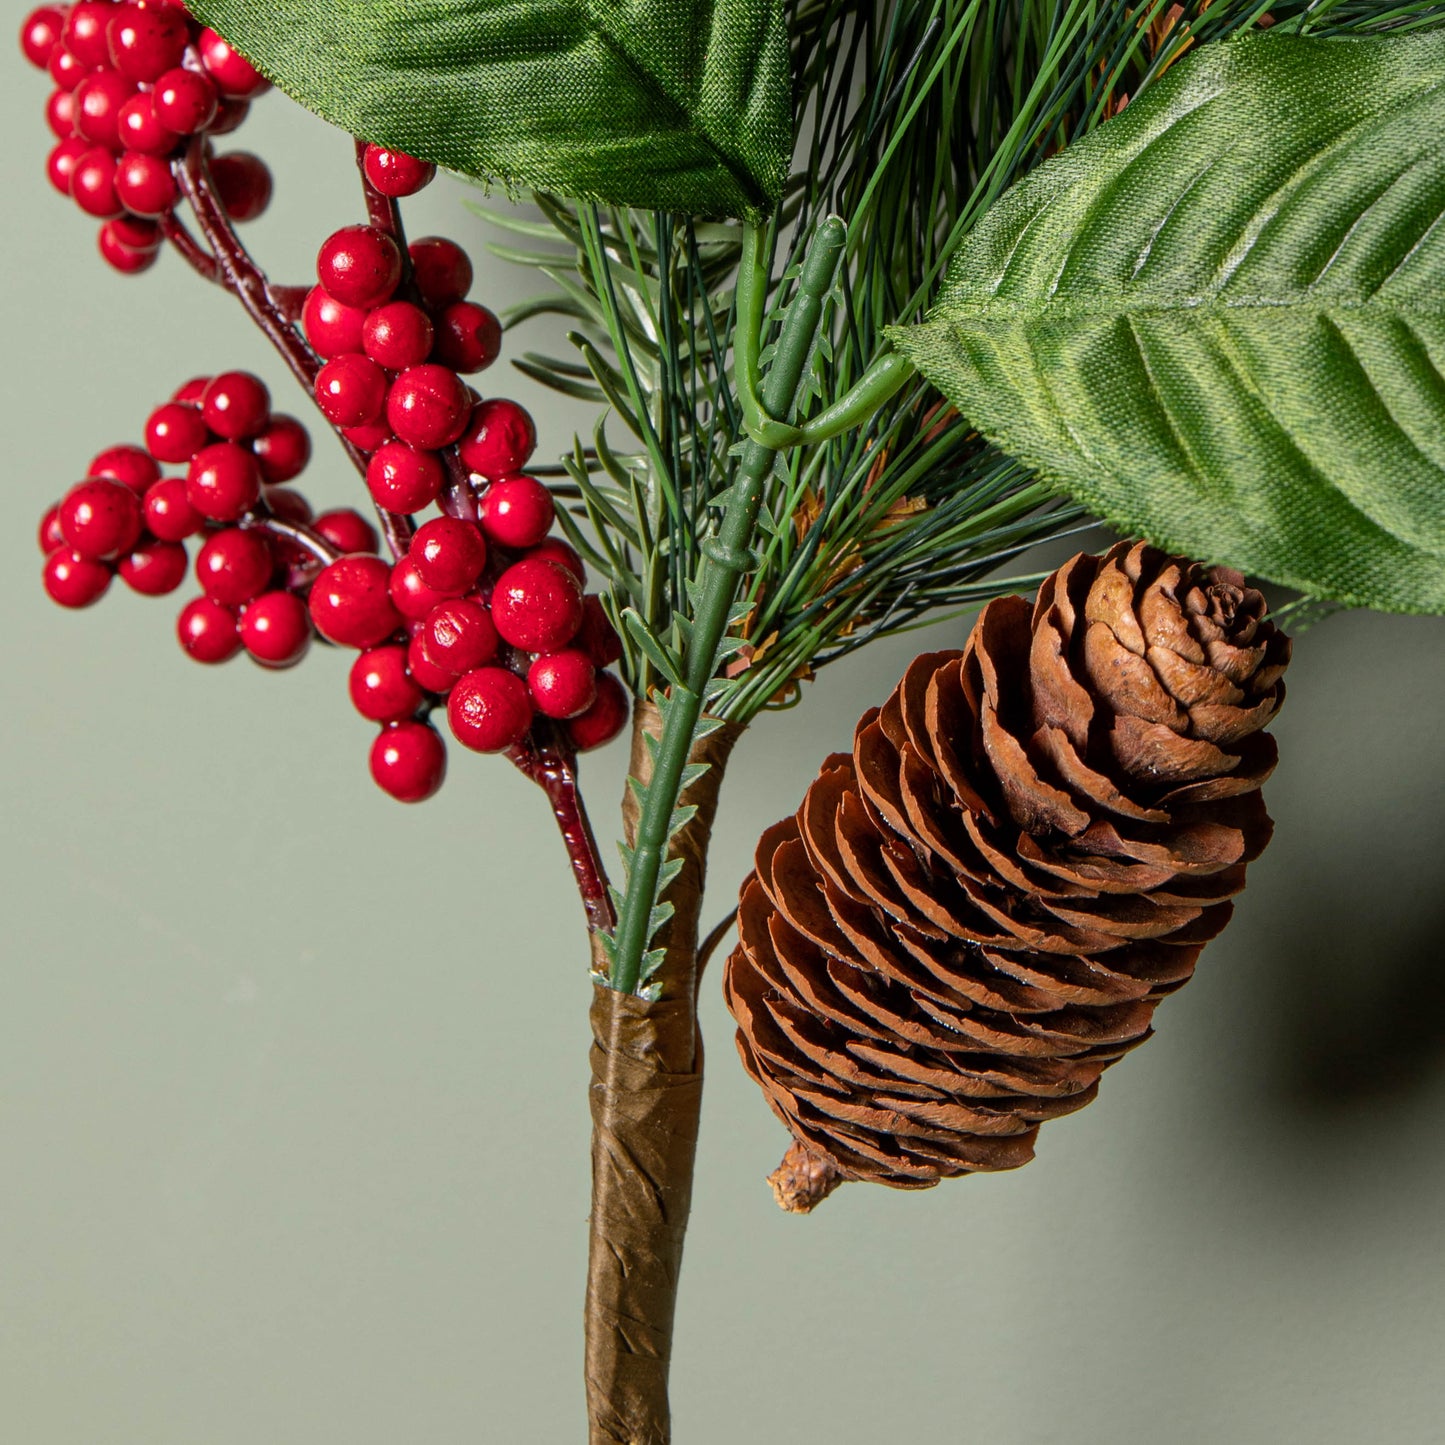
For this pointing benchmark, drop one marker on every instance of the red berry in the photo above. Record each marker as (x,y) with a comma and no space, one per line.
(409,761)
(554,549)
(468,337)
(184,101)
(230,116)
(359,265)
(65,70)
(233,73)
(141,131)
(168,515)
(350,605)
(60,165)
(128,260)
(563,684)
(243,184)
(50,535)
(224,481)
(145,185)
(604,719)
(409,594)
(381,688)
(73,580)
(92,184)
(351,390)
(489,709)
(275,629)
(394,173)
(442,271)
(130,465)
(517,512)
(499,438)
(459,635)
(145,43)
(368,438)
(424,671)
(397,335)
(154,568)
(428,406)
(100,518)
(333,329)
(402,479)
(175,432)
(60,113)
(236,405)
(190,392)
(597,636)
(208,631)
(235,565)
(282,449)
(40,34)
(287,505)
(135,232)
(98,102)
(347,531)
(449,554)
(85,32)
(537,606)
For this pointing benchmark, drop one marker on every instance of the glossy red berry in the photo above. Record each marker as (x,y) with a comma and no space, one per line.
(65,70)
(409,761)
(468,337)
(100,518)
(394,173)
(563,684)
(554,549)
(368,438)
(85,30)
(224,481)
(459,635)
(442,271)
(235,565)
(50,536)
(233,74)
(402,479)
(98,102)
(517,512)
(175,432)
(144,184)
(146,42)
(236,405)
(332,328)
(381,688)
(347,530)
(597,636)
(489,709)
(411,597)
(128,260)
(604,719)
(424,671)
(243,183)
(73,580)
(168,515)
(275,629)
(92,184)
(60,165)
(190,392)
(282,449)
(135,232)
(60,114)
(230,116)
(208,632)
(351,390)
(350,605)
(40,34)
(153,568)
(184,101)
(397,335)
(288,506)
(449,554)
(359,265)
(428,406)
(499,438)
(537,606)
(127,464)
(140,130)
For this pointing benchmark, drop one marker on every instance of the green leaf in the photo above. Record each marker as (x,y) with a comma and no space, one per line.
(681,105)
(1219,320)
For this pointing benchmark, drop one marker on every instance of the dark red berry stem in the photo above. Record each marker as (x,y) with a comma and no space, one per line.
(189,249)
(304,537)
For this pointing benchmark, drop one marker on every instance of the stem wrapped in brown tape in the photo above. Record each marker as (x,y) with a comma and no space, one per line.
(646,1098)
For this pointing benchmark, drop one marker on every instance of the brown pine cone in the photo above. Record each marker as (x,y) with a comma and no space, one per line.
(975,913)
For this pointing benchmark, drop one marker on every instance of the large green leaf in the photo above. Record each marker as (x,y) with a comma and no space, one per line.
(671,104)
(1219,320)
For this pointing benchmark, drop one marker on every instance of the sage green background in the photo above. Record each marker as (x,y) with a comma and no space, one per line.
(292,1080)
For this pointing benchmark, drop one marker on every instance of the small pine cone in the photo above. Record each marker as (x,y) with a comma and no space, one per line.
(974,914)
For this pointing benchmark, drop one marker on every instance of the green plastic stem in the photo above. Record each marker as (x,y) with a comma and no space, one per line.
(727,557)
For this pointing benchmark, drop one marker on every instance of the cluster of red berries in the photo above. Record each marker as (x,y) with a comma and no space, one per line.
(135,81)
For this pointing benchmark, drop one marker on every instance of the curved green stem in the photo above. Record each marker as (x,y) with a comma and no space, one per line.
(726,557)
(887,375)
